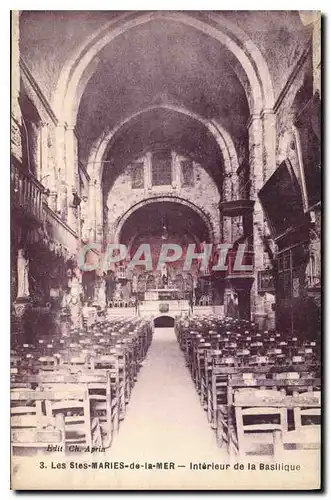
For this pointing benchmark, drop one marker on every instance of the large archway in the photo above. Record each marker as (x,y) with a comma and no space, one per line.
(230,86)
(152,225)
(164,322)
(79,69)
(185,215)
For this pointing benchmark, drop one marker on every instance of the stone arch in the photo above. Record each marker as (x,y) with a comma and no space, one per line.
(165,320)
(80,67)
(222,137)
(133,237)
(165,198)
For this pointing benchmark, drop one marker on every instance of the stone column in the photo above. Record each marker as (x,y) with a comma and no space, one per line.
(98,212)
(226,229)
(317,53)
(94,213)
(269,142)
(45,174)
(227,187)
(71,174)
(34,147)
(255,132)
(227,196)
(61,196)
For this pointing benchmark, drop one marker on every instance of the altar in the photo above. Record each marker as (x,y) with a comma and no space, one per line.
(163,294)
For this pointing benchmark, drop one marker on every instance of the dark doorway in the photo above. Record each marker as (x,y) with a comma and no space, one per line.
(164,322)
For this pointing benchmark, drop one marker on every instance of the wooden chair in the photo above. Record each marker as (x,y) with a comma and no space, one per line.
(250,406)
(72,401)
(104,406)
(30,427)
(306,434)
(114,363)
(102,397)
(217,397)
(47,363)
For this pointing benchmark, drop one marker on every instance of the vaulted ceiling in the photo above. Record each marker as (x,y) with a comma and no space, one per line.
(48,39)
(159,62)
(163,63)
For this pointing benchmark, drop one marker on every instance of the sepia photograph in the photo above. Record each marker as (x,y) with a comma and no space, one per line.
(165,250)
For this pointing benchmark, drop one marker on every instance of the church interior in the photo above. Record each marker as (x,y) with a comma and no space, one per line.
(177,127)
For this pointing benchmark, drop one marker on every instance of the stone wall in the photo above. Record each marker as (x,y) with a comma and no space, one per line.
(203,194)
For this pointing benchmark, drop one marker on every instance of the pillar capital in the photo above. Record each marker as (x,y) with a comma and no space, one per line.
(253,117)
(267,111)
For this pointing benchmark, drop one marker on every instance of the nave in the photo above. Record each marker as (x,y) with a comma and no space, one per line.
(165,421)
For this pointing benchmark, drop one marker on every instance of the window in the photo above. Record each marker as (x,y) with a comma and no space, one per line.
(137,175)
(187,173)
(161,168)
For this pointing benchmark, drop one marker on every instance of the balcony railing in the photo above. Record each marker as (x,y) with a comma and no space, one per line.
(60,232)
(27,194)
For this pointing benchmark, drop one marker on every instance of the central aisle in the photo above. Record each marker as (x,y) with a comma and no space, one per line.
(165,420)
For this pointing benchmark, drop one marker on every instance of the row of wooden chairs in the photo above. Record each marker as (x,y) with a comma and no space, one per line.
(83,381)
(227,357)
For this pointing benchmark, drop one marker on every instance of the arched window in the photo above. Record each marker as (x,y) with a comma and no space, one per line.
(161,168)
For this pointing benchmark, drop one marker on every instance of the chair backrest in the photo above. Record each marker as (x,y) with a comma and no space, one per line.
(30,425)
(258,411)
(307,404)
(37,433)
(72,401)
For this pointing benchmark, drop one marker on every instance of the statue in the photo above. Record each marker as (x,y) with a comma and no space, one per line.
(118,291)
(164,274)
(135,284)
(313,269)
(84,214)
(101,299)
(22,275)
(74,300)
